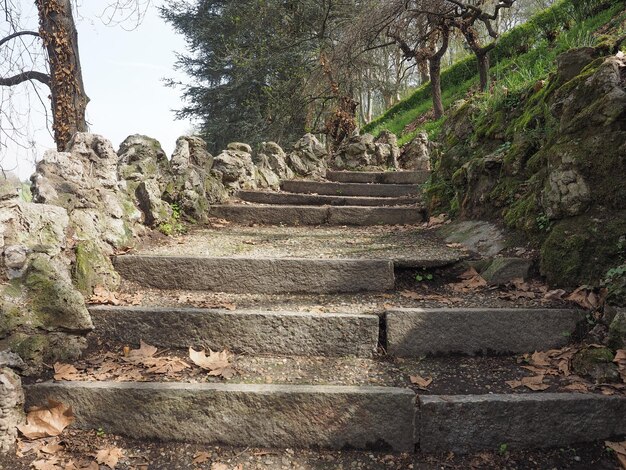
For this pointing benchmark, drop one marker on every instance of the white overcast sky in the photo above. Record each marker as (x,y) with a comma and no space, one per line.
(123,72)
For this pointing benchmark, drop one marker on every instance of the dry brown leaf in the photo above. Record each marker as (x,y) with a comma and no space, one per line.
(219,466)
(144,352)
(470,280)
(167,365)
(52,448)
(540,359)
(201,457)
(620,451)
(217,363)
(47,421)
(535,383)
(587,298)
(577,387)
(109,456)
(557,294)
(102,296)
(410,295)
(46,464)
(437,220)
(65,372)
(421,382)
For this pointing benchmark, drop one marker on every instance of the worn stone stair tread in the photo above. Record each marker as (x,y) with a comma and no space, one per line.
(292,199)
(241,331)
(241,414)
(351,189)
(257,275)
(380,177)
(319,215)
(471,422)
(418,331)
(336,417)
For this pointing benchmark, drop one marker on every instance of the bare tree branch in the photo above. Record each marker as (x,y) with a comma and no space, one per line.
(18,34)
(24,77)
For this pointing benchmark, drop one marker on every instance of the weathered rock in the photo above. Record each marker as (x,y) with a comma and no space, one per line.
(236,169)
(415,155)
(239,147)
(617,330)
(360,152)
(596,364)
(387,150)
(271,163)
(145,171)
(242,414)
(502,271)
(194,186)
(479,236)
(566,193)
(308,157)
(11,408)
(572,62)
(10,186)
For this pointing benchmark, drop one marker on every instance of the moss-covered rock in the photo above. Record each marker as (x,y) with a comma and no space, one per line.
(617,330)
(54,300)
(596,364)
(578,250)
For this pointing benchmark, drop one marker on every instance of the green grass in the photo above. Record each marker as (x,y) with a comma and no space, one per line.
(522,57)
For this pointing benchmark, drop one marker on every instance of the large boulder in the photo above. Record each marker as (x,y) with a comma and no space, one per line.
(415,155)
(144,172)
(360,152)
(194,186)
(271,163)
(235,167)
(308,157)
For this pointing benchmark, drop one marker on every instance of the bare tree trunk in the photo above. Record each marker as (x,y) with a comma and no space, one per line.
(435,83)
(483,69)
(423,71)
(69,100)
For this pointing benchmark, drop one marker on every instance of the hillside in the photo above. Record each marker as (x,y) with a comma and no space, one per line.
(522,56)
(543,152)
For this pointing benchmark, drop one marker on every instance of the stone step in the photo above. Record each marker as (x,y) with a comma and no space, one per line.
(351,189)
(381,177)
(257,275)
(417,332)
(471,422)
(333,417)
(247,332)
(319,215)
(273,197)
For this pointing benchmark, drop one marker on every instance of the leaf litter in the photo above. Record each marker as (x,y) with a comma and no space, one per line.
(558,363)
(145,362)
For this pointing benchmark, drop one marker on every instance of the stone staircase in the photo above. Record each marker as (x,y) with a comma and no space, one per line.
(346,198)
(363,414)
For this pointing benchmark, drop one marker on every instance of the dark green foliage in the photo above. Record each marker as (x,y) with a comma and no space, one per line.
(249,62)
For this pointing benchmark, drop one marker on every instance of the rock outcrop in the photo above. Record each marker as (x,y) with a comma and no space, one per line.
(362,152)
(308,157)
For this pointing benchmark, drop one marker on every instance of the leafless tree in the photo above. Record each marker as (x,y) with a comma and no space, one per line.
(50,56)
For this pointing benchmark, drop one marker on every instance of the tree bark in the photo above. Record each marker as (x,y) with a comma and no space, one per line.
(69,100)
(483,69)
(435,83)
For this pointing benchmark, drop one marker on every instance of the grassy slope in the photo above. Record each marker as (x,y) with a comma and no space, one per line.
(522,56)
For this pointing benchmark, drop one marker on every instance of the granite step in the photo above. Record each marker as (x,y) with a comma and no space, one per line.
(351,189)
(273,197)
(381,177)
(319,215)
(257,275)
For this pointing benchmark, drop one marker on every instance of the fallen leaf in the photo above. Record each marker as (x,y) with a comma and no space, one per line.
(535,383)
(557,294)
(577,387)
(201,457)
(46,464)
(138,356)
(410,295)
(217,363)
(65,372)
(219,466)
(109,456)
(51,448)
(540,359)
(421,382)
(101,295)
(620,451)
(47,421)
